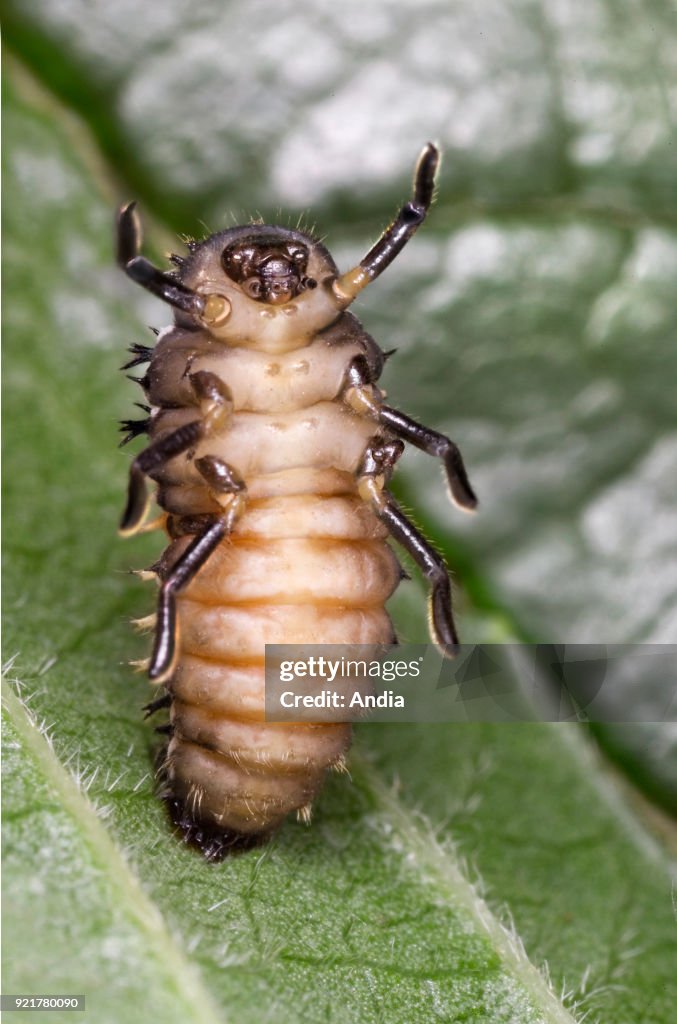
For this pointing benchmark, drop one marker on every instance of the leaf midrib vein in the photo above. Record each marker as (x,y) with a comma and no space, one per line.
(436,864)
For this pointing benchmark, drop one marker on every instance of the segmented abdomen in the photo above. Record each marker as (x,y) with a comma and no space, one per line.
(306,563)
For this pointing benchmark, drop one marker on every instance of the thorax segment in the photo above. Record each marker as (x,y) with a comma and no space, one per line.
(260,381)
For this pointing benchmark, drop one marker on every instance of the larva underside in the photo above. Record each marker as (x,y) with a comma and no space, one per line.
(271,447)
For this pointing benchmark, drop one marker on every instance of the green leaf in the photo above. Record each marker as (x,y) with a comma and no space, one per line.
(119,952)
(535,322)
(332,922)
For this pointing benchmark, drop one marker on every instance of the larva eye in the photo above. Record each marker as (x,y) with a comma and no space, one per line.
(253,287)
(236,261)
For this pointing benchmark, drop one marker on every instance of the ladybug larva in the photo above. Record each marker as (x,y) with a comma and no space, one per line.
(272,447)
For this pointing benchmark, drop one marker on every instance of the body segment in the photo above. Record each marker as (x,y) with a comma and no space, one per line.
(271,448)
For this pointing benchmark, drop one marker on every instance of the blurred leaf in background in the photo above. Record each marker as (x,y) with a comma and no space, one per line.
(534,319)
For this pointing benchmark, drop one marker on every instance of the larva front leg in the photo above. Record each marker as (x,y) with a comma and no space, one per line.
(396,236)
(363,396)
(209,308)
(432,443)
(379,459)
(215,403)
(142,270)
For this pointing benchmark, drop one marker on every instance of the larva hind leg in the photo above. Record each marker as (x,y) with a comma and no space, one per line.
(364,396)
(164,654)
(378,461)
(228,487)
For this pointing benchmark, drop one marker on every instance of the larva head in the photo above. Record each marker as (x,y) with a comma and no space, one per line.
(270,270)
(270,287)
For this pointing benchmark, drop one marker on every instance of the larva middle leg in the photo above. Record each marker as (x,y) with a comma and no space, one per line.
(215,405)
(379,459)
(363,395)
(155,455)
(224,482)
(163,658)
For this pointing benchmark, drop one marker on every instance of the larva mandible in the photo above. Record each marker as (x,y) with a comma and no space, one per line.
(272,447)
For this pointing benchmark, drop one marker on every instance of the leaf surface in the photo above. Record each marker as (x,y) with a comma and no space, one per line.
(535,322)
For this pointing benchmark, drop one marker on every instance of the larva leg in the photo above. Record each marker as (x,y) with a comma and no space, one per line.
(363,395)
(396,236)
(211,308)
(221,477)
(194,557)
(227,484)
(144,273)
(433,443)
(379,459)
(432,565)
(215,398)
(152,457)
(216,405)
